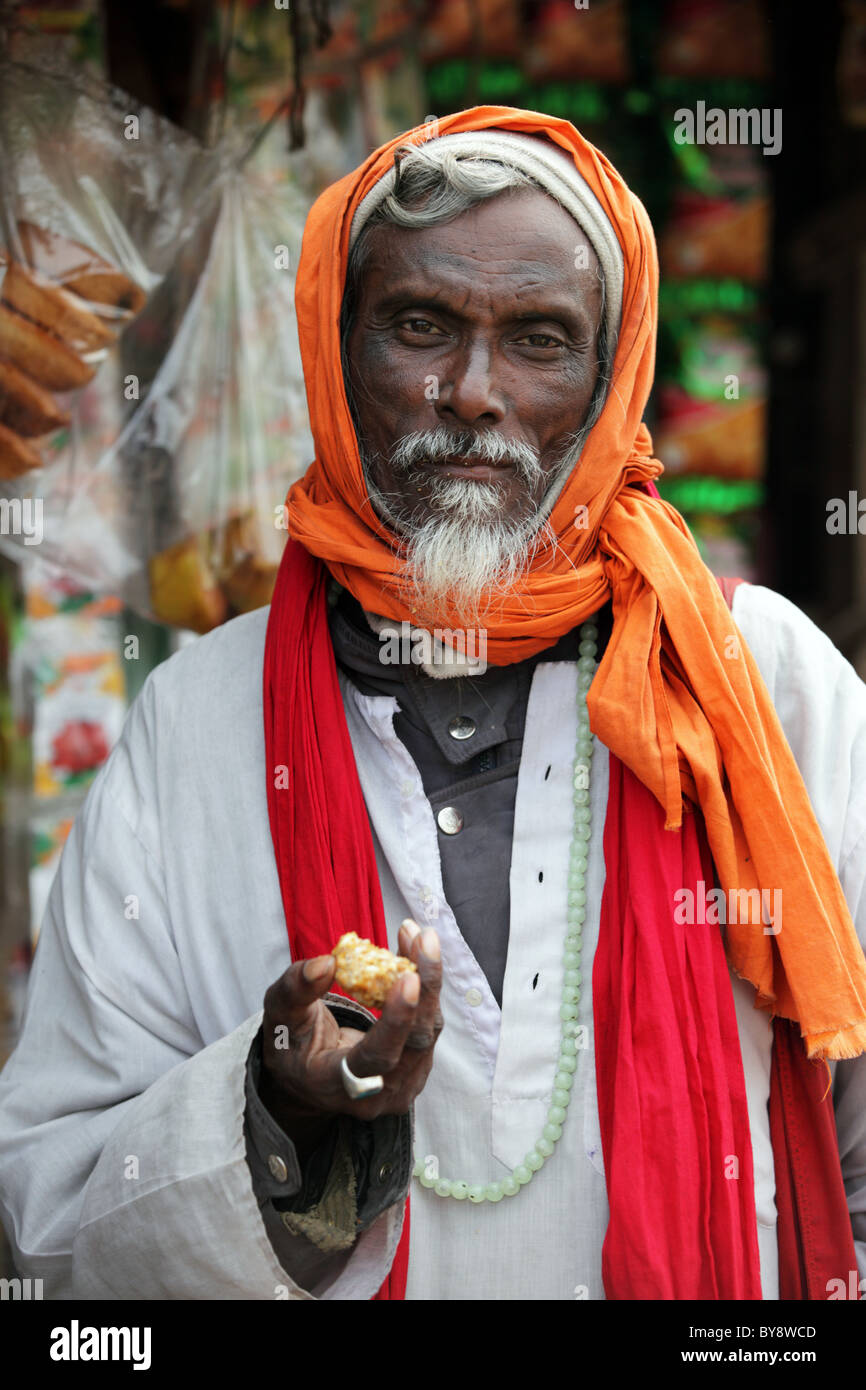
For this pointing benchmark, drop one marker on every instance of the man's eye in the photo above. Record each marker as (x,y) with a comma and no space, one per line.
(422,326)
(541,340)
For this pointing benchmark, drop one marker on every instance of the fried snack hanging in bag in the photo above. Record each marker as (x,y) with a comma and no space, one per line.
(250,584)
(91,228)
(17,455)
(39,354)
(54,308)
(79,269)
(49,339)
(367,972)
(183,588)
(25,406)
(246,576)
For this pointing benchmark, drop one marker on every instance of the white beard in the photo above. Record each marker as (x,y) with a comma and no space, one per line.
(469,556)
(472,552)
(463,560)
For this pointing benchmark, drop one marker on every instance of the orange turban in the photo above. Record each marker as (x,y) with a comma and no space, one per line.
(677,696)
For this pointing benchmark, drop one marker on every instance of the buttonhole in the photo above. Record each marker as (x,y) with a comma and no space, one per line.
(540,875)
(547,773)
(535,981)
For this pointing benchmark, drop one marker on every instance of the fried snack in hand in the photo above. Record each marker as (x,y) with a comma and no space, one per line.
(25,406)
(17,456)
(365,971)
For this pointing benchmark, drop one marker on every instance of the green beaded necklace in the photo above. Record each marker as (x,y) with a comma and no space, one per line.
(566,1064)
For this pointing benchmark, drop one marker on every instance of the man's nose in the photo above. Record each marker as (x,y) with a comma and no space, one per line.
(468,392)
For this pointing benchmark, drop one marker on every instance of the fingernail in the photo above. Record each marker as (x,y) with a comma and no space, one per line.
(411,988)
(430,945)
(411,927)
(317,967)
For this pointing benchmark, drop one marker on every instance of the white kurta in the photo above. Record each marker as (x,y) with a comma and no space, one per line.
(122,1162)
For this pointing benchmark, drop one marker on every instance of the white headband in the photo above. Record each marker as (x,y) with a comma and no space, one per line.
(554,170)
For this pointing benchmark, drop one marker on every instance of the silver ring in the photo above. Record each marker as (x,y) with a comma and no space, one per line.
(359,1087)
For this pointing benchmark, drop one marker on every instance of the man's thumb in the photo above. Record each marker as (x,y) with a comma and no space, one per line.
(317,972)
(292,997)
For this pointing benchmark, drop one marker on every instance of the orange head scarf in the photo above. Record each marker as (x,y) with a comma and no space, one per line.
(677,696)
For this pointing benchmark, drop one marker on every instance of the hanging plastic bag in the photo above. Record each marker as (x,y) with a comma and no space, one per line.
(157,420)
(222,428)
(94,197)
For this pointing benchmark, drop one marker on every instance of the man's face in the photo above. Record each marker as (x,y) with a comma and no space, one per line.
(481,329)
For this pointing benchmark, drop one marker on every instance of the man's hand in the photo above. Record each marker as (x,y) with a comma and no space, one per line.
(302,1085)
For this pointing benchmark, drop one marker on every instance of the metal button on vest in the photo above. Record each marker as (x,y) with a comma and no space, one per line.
(278,1168)
(461,726)
(450,820)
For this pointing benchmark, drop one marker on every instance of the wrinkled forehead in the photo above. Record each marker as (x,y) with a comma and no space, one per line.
(503,255)
(547,166)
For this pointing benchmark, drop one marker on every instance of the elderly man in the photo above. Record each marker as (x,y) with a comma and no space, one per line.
(568,788)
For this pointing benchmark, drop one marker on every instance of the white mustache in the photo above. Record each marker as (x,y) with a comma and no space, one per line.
(442,444)
(471,551)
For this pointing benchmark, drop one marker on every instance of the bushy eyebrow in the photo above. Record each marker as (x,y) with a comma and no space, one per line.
(555,309)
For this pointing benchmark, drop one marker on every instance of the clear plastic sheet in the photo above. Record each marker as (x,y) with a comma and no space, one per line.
(169,272)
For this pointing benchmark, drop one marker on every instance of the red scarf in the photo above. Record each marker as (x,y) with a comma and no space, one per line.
(672,1102)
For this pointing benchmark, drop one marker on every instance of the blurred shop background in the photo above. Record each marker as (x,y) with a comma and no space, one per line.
(158,160)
